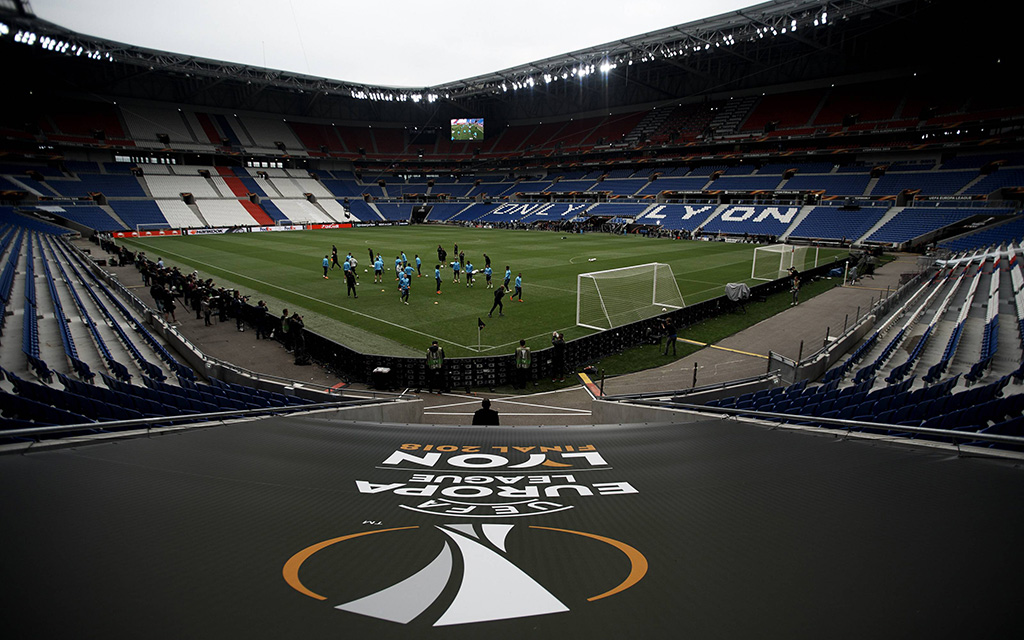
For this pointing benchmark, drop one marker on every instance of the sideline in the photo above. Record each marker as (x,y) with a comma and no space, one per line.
(715,346)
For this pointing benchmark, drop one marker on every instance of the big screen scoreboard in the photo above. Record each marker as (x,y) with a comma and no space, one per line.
(467,128)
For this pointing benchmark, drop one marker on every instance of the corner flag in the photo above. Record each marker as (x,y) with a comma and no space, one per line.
(480,323)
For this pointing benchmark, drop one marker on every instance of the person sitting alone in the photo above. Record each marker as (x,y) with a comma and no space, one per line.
(485,415)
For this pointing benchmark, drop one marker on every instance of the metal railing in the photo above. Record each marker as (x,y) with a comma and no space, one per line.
(158,423)
(850,426)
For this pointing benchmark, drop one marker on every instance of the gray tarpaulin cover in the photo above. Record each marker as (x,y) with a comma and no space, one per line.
(737,291)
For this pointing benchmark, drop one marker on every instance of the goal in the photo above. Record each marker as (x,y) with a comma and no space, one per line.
(612,298)
(772,262)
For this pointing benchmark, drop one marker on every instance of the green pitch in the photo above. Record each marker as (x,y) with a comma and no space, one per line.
(469,131)
(286,270)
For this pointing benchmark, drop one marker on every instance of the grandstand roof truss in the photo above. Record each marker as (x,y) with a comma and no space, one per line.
(753,46)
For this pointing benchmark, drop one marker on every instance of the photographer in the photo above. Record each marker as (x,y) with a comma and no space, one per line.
(669,327)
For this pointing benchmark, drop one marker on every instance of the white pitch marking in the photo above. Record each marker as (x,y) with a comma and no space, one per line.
(506,413)
(512,402)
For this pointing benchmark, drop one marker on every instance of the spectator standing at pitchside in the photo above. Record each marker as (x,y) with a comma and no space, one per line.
(794,286)
(285,326)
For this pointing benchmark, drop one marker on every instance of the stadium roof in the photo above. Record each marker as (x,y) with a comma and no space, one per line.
(412,44)
(744,50)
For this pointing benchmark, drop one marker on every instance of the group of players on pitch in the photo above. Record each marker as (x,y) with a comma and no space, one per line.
(404,271)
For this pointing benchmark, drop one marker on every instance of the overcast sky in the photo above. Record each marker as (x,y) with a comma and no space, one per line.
(391,42)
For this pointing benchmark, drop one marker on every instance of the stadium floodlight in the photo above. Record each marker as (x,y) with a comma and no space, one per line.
(615,297)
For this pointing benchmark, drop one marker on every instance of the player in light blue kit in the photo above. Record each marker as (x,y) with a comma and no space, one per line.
(519,288)
(455,272)
(469,273)
(487,276)
(403,289)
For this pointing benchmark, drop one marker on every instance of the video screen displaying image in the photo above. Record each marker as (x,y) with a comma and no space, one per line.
(468,129)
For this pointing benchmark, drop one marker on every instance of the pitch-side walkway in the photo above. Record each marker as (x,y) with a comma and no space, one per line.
(741,355)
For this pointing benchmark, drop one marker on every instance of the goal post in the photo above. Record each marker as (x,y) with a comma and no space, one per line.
(773,262)
(615,297)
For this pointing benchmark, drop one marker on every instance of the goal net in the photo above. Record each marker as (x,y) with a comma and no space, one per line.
(612,298)
(773,262)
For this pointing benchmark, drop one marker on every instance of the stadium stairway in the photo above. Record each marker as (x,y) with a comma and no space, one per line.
(113,214)
(889,215)
(145,187)
(257,212)
(970,184)
(800,217)
(198,214)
